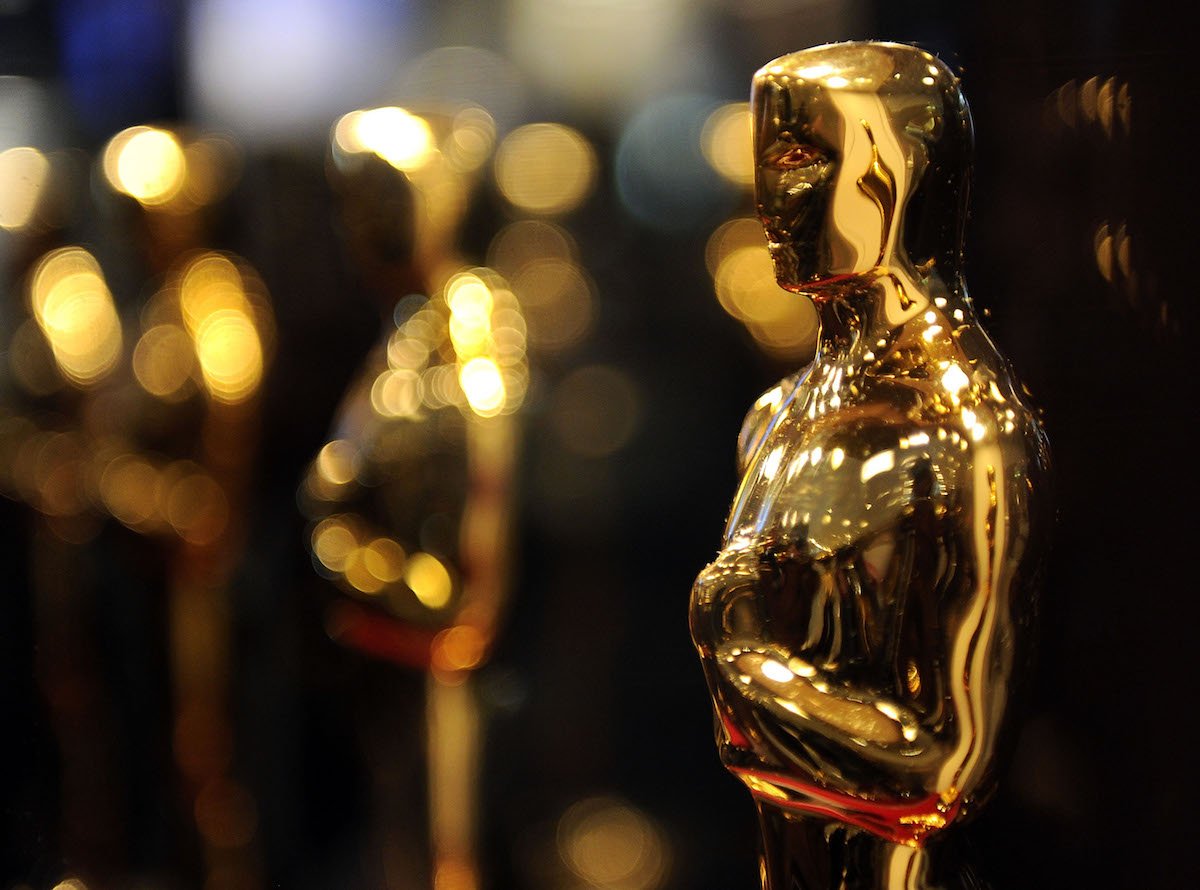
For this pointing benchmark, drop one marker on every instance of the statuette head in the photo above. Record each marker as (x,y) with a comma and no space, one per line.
(862,154)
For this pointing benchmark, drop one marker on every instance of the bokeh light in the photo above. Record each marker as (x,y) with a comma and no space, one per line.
(333,541)
(359,575)
(663,178)
(455,76)
(470,304)
(487,333)
(54,471)
(557,297)
(163,361)
(129,491)
(193,503)
(73,307)
(483,385)
(429,580)
(230,355)
(278,71)
(459,648)
(595,410)
(146,163)
(742,231)
(472,137)
(727,142)
(212,164)
(226,320)
(384,559)
(401,138)
(526,241)
(368,563)
(611,844)
(604,57)
(397,393)
(545,168)
(337,462)
(28,113)
(784,324)
(23,175)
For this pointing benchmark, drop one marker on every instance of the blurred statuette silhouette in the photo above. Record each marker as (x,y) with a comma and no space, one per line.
(865,627)
(411,495)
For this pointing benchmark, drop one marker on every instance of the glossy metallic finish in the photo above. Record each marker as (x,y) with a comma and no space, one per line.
(865,626)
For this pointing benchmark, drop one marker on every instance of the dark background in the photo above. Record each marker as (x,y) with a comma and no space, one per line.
(594,689)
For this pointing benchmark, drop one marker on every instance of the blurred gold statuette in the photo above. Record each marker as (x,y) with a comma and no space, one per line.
(867,620)
(410,497)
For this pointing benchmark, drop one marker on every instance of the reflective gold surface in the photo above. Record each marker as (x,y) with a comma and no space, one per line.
(865,626)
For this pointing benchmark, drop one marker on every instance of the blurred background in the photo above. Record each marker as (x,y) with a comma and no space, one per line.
(186,293)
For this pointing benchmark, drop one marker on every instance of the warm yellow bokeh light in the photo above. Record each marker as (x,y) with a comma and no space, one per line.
(358,575)
(146,163)
(595,410)
(746,286)
(401,138)
(470,303)
(742,231)
(397,393)
(74,309)
(194,504)
(610,844)
(440,387)
(483,385)
(230,355)
(333,541)
(727,142)
(163,360)
(459,648)
(129,489)
(210,283)
(454,874)
(466,294)
(526,241)
(23,174)
(783,323)
(428,579)
(556,297)
(56,477)
(225,325)
(471,139)
(337,462)
(545,168)
(384,559)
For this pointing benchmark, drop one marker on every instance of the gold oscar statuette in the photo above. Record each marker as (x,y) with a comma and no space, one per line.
(411,497)
(865,628)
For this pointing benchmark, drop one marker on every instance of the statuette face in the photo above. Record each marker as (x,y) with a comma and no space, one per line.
(849,138)
(866,623)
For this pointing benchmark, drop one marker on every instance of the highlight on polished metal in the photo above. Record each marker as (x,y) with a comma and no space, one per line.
(865,628)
